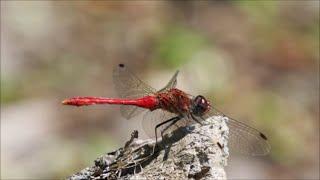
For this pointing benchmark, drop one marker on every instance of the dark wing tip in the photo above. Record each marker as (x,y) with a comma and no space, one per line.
(263,136)
(121,65)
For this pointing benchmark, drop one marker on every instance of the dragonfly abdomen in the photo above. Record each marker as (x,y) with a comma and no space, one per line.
(148,102)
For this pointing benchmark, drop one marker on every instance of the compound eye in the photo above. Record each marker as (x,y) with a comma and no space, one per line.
(203,101)
(201,105)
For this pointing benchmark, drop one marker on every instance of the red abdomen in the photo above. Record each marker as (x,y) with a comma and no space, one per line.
(148,102)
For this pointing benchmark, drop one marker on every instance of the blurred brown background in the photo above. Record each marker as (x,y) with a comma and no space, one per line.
(258,61)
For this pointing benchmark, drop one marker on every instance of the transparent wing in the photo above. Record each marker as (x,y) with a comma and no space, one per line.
(243,138)
(172,83)
(152,118)
(129,112)
(129,85)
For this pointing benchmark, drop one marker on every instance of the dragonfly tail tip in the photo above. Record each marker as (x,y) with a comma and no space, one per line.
(65,102)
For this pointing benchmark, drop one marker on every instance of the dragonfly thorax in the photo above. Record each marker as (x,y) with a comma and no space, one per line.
(175,101)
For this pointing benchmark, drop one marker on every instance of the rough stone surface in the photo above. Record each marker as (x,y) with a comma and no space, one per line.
(193,152)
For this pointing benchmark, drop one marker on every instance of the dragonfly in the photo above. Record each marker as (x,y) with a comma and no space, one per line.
(170,108)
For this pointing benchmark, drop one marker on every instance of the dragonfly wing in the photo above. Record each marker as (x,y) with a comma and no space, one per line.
(243,138)
(129,85)
(129,112)
(152,118)
(172,83)
(246,139)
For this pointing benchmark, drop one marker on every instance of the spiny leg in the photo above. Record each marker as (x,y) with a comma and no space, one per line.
(167,127)
(160,124)
(175,119)
(197,120)
(201,117)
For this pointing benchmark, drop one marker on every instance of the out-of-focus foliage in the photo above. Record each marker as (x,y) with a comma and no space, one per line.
(258,61)
(10,92)
(176,46)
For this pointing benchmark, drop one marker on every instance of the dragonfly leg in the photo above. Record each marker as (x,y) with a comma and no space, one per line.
(167,127)
(173,121)
(196,119)
(160,124)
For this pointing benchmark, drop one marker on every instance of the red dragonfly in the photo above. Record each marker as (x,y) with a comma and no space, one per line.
(170,108)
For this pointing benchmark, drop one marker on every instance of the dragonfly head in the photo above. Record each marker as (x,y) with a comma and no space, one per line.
(200,105)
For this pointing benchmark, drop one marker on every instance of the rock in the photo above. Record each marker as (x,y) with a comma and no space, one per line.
(192,152)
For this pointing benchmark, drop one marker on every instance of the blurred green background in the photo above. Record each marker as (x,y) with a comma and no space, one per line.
(258,61)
